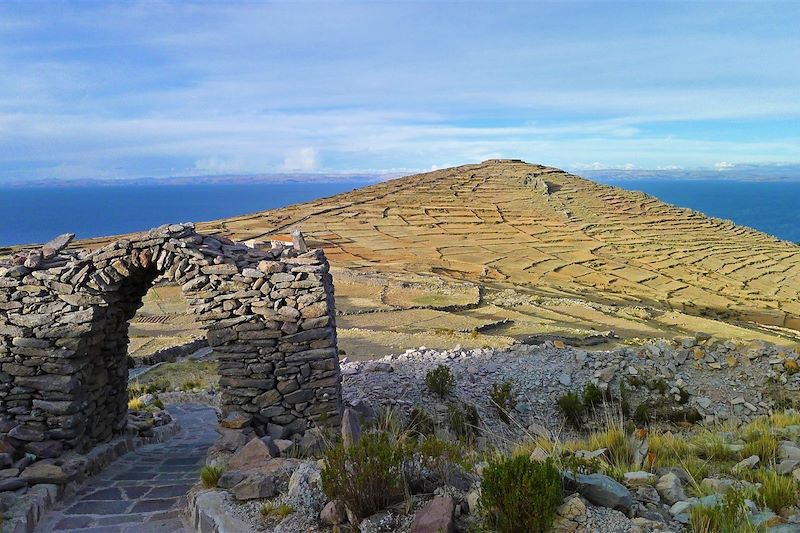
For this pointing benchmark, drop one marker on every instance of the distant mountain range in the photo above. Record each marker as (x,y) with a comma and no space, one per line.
(760,172)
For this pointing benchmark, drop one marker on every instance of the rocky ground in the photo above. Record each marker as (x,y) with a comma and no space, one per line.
(719,379)
(274,485)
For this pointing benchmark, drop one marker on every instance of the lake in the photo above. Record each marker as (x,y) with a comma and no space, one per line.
(769,206)
(37,214)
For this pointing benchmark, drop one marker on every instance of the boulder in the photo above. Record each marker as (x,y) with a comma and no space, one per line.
(633,479)
(601,490)
(787,466)
(435,517)
(351,429)
(670,489)
(230,439)
(235,420)
(333,513)
(305,488)
(788,450)
(230,479)
(254,454)
(747,464)
(573,509)
(253,487)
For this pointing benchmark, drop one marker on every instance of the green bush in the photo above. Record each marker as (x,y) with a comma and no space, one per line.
(441,459)
(440,381)
(571,408)
(366,477)
(592,396)
(520,495)
(503,399)
(209,475)
(464,421)
(642,414)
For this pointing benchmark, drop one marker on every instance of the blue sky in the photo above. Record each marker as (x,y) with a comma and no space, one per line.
(120,90)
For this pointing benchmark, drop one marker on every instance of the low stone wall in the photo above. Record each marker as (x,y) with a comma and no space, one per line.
(64,316)
(23,507)
(207,513)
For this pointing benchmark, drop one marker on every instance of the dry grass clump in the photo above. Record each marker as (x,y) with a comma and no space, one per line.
(730,515)
(277,511)
(773,490)
(210,474)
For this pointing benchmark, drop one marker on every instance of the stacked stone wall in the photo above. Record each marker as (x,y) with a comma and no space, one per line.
(64,317)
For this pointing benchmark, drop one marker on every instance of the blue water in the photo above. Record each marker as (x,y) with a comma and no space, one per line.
(771,206)
(29,215)
(37,214)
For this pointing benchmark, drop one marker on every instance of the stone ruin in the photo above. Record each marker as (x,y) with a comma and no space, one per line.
(64,316)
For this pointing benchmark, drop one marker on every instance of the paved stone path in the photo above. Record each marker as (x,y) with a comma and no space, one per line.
(143,491)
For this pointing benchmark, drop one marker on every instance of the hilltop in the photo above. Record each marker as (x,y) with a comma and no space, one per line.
(484,254)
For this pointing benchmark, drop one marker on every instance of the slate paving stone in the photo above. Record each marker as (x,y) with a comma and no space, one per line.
(72,522)
(144,491)
(105,494)
(169,491)
(151,506)
(99,508)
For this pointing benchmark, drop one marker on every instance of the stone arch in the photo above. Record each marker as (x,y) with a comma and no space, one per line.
(64,316)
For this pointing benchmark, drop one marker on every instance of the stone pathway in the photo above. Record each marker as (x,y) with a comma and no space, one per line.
(143,491)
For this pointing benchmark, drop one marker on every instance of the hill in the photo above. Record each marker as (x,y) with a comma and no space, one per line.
(480,254)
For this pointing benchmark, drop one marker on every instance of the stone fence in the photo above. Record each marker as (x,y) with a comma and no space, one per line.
(64,316)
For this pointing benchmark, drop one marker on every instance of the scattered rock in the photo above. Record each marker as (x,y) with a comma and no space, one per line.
(435,517)
(670,489)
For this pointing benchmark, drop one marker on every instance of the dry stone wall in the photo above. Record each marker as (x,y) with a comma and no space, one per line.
(64,318)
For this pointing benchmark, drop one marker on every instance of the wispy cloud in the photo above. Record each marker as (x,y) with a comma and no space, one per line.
(156,89)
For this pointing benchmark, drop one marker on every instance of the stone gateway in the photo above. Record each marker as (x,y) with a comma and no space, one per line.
(64,315)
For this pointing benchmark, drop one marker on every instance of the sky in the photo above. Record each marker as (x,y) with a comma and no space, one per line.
(156,89)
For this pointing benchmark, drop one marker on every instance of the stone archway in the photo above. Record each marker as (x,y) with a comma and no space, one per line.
(64,315)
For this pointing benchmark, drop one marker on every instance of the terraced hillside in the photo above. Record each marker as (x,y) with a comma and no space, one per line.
(480,254)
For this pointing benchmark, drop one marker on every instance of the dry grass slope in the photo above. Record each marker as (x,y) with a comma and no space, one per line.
(551,252)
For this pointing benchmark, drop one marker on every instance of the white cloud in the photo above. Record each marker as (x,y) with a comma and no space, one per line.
(302,160)
(723,165)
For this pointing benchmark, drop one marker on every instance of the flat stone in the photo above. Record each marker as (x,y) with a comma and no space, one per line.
(42,472)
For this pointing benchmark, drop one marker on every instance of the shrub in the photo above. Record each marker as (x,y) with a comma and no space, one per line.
(367,477)
(730,515)
(642,414)
(658,384)
(520,495)
(503,399)
(464,421)
(440,381)
(420,422)
(210,475)
(571,409)
(435,460)
(592,396)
